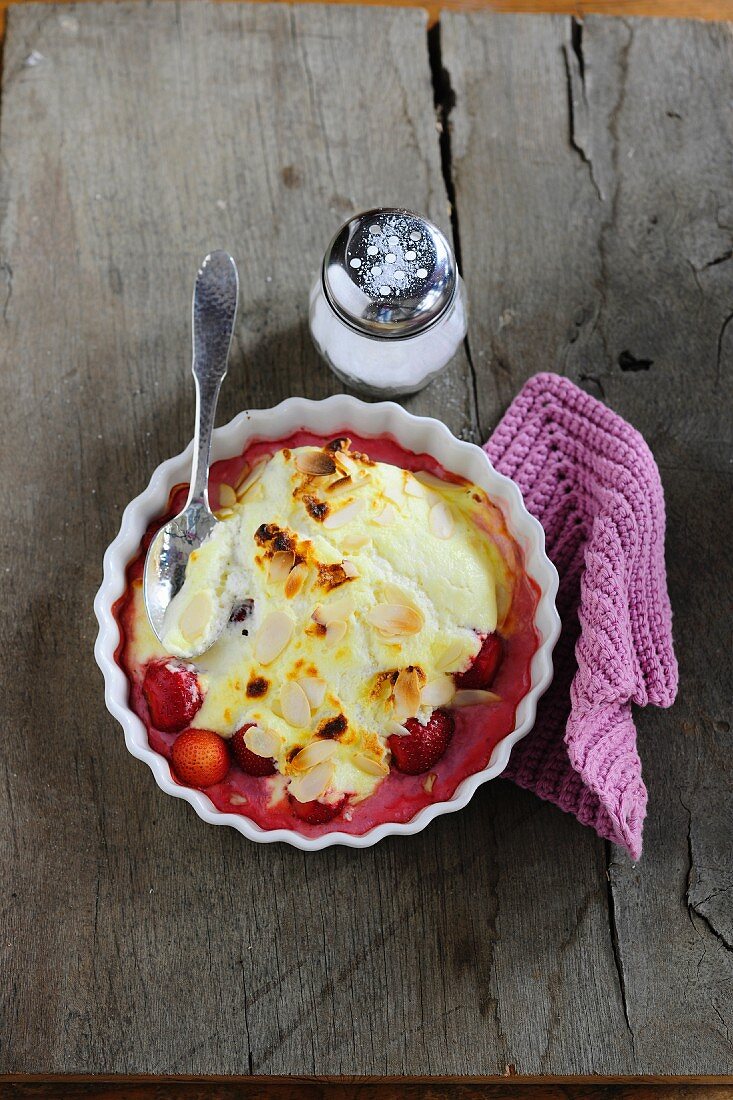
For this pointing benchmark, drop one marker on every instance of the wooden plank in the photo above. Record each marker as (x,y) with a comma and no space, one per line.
(677,9)
(595,210)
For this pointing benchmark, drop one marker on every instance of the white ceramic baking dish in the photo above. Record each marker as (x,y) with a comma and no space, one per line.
(336,415)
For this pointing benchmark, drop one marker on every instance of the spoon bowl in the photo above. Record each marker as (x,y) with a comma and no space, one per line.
(214,309)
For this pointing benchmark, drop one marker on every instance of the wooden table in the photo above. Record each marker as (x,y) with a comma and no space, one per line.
(589,170)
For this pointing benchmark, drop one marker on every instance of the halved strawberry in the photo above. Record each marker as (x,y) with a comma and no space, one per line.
(424,745)
(200,758)
(485,664)
(249,761)
(173,694)
(316,813)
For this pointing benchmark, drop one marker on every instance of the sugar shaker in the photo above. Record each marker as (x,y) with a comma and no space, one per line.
(387,311)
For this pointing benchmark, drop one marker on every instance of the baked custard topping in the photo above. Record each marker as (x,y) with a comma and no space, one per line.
(347,594)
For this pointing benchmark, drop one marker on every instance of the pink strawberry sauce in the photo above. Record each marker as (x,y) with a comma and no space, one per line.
(478,729)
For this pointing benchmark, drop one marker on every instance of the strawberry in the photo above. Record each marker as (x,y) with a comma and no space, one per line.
(483,670)
(249,761)
(200,758)
(173,694)
(316,813)
(424,745)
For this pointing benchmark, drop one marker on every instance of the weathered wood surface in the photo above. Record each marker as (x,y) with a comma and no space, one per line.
(136,939)
(592,169)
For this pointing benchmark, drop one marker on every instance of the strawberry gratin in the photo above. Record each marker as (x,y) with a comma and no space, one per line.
(373,630)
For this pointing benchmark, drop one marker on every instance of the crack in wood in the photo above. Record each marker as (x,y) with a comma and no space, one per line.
(692,905)
(444,99)
(579,133)
(615,944)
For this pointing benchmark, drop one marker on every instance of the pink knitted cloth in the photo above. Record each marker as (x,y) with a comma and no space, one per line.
(591,481)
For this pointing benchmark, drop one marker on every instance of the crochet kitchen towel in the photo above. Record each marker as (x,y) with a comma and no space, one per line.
(591,481)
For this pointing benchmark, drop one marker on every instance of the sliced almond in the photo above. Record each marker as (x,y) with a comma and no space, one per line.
(296,579)
(312,755)
(474,697)
(315,463)
(430,480)
(294,705)
(395,620)
(355,542)
(252,478)
(315,690)
(369,764)
(309,787)
(272,637)
(227,496)
(406,694)
(414,488)
(280,565)
(349,569)
(195,617)
(224,513)
(438,692)
(238,799)
(335,632)
(336,609)
(396,729)
(429,782)
(243,475)
(455,653)
(387,516)
(262,742)
(340,485)
(346,464)
(440,519)
(344,515)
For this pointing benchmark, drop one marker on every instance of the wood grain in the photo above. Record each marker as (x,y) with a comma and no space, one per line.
(595,210)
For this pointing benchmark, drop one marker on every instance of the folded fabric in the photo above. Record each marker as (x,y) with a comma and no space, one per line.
(591,481)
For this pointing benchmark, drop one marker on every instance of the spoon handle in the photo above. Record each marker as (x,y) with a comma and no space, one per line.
(214,308)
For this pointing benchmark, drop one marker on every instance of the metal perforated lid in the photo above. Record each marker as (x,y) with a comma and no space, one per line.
(389,273)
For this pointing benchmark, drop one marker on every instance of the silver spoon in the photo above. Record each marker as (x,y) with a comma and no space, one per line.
(214,308)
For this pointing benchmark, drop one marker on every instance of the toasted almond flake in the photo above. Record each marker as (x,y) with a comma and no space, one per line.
(294,704)
(335,609)
(262,742)
(431,480)
(243,475)
(454,653)
(438,692)
(349,569)
(406,694)
(280,565)
(429,782)
(312,755)
(414,488)
(344,515)
(237,799)
(340,485)
(396,729)
(224,513)
(346,464)
(335,632)
(369,764)
(355,542)
(195,617)
(473,697)
(252,478)
(309,787)
(393,594)
(441,520)
(227,496)
(314,688)
(395,620)
(387,516)
(296,580)
(274,634)
(315,463)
